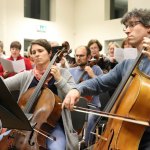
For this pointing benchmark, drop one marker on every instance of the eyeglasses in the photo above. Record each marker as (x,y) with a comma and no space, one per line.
(79,56)
(131,25)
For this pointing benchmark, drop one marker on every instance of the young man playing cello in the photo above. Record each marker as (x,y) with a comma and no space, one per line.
(137,29)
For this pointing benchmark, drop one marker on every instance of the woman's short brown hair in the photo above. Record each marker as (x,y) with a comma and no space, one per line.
(92,41)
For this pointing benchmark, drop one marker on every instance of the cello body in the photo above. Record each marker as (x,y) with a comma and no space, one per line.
(133,102)
(47,112)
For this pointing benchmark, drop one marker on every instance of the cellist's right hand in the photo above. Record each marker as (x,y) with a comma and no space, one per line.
(71,98)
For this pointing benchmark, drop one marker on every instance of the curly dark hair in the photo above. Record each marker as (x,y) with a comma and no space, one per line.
(142,14)
(42,42)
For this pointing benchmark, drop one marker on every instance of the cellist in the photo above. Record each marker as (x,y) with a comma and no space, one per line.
(137,28)
(59,82)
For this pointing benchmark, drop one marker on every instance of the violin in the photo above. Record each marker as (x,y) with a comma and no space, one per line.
(45,112)
(90,63)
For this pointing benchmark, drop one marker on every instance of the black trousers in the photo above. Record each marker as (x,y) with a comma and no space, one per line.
(145,141)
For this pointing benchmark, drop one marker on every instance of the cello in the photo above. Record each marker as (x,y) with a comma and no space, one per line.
(45,112)
(130,100)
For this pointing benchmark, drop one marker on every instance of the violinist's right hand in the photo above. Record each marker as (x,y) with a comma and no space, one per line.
(90,72)
(71,99)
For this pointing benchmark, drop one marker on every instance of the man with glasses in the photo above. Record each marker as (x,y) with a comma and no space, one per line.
(86,70)
(137,29)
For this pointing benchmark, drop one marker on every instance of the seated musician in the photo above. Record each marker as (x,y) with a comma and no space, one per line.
(59,82)
(137,29)
(102,61)
(82,72)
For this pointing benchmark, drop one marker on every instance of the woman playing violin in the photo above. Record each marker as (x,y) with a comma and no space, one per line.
(137,29)
(59,82)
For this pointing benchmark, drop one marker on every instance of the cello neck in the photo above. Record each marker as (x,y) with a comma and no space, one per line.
(39,86)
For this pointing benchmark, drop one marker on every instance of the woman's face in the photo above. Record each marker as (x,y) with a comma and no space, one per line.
(127,45)
(111,50)
(94,50)
(15,52)
(40,55)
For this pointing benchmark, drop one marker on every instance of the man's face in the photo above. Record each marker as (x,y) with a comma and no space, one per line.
(135,31)
(81,56)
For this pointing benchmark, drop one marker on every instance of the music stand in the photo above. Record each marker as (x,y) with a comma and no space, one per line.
(11,115)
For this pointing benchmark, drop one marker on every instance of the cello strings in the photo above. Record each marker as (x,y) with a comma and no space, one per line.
(49,137)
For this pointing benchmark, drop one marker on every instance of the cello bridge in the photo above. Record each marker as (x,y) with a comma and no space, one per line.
(99,136)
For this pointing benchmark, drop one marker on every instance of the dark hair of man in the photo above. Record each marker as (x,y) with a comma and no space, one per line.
(42,42)
(95,41)
(142,14)
(15,44)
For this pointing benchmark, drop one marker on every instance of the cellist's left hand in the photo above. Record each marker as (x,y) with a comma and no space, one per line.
(55,72)
(146,44)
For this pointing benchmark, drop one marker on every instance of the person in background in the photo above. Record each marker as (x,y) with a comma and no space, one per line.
(55,48)
(29,56)
(125,44)
(111,48)
(53,43)
(67,61)
(15,48)
(83,71)
(137,28)
(64,62)
(2,52)
(59,81)
(103,62)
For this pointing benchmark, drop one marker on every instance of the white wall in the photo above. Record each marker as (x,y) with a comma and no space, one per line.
(90,21)
(76,21)
(14,26)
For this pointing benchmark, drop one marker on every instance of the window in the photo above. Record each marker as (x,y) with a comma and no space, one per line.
(38,9)
(26,46)
(115,8)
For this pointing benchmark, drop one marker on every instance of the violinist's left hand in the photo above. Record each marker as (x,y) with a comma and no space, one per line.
(55,72)
(90,72)
(146,44)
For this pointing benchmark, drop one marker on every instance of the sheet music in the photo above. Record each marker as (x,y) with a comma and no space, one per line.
(13,66)
(121,54)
